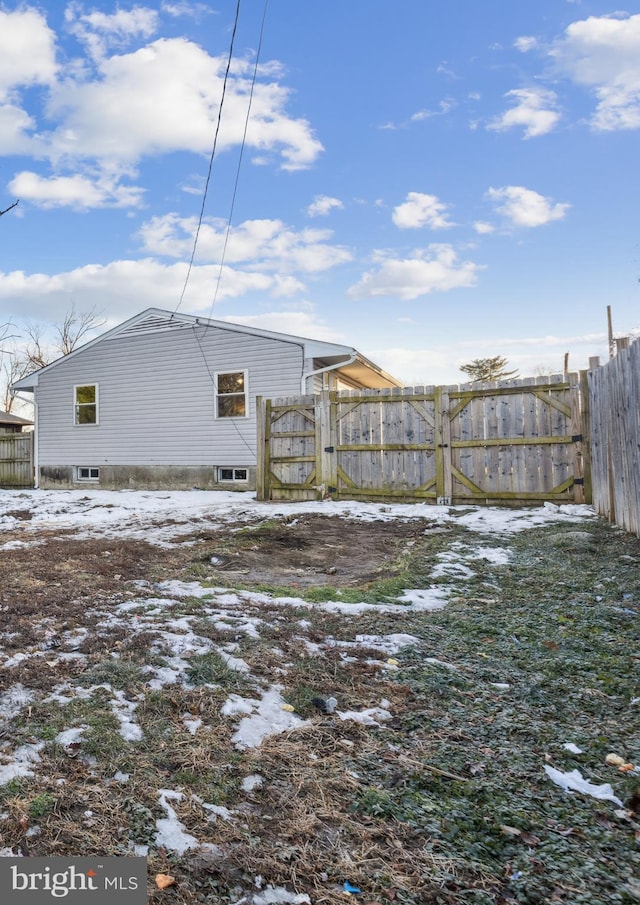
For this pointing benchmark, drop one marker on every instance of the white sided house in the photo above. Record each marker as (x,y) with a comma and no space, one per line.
(169,401)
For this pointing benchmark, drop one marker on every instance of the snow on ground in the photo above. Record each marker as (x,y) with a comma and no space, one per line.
(162,516)
(165,518)
(264,717)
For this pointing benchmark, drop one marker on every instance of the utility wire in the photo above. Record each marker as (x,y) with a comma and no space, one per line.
(240,156)
(213,154)
(233,201)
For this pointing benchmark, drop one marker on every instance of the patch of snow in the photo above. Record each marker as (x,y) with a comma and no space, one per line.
(388,644)
(170,832)
(499,556)
(13,700)
(166,675)
(574,781)
(236,704)
(425,599)
(452,570)
(192,723)
(20,764)
(265,717)
(144,515)
(70,736)
(216,810)
(569,746)
(185,588)
(122,710)
(251,782)
(20,657)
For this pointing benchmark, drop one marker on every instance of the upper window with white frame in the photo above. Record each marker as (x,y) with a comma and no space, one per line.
(85,403)
(232,394)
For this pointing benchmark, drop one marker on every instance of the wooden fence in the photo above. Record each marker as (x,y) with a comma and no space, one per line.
(502,442)
(16,460)
(614,402)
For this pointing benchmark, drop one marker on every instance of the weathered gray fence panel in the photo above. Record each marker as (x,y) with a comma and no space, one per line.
(509,441)
(16,460)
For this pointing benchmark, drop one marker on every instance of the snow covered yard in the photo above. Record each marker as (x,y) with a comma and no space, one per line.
(272,701)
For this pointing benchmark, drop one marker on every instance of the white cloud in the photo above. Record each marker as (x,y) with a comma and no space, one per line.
(445,106)
(534,108)
(421,210)
(27,50)
(296,323)
(524,207)
(183,8)
(603,54)
(125,287)
(439,365)
(137,107)
(322,205)
(110,112)
(259,244)
(435,269)
(101,31)
(79,192)
(483,228)
(15,125)
(525,43)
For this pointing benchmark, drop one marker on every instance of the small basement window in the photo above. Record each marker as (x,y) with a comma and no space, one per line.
(87,473)
(231,394)
(85,401)
(233,474)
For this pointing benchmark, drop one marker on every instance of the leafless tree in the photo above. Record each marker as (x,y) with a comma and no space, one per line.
(75,326)
(13,368)
(34,353)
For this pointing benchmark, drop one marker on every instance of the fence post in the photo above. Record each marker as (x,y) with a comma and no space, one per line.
(585,416)
(261,448)
(442,433)
(326,453)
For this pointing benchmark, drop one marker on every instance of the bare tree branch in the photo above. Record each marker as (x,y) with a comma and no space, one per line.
(75,326)
(10,208)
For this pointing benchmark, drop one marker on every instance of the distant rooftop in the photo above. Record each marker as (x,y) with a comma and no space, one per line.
(8,418)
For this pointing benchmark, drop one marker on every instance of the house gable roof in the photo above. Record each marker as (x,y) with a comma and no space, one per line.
(157,320)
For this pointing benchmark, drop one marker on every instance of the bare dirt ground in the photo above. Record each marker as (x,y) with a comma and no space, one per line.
(439,796)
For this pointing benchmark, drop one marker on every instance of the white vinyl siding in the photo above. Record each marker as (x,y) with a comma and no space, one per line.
(157,398)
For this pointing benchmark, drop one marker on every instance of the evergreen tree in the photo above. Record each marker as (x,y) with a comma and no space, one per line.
(488,369)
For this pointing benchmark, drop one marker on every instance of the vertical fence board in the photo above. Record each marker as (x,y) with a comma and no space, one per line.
(614,412)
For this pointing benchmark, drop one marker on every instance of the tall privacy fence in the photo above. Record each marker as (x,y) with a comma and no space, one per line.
(16,460)
(514,442)
(614,402)
(566,438)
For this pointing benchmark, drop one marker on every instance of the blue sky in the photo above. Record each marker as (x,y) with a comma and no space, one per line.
(430,183)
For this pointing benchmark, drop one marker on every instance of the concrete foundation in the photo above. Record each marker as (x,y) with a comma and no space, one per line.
(143,477)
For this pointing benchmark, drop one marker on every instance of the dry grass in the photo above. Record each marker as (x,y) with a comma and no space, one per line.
(410,811)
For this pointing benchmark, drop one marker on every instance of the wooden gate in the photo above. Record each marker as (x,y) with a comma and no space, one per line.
(516,442)
(16,460)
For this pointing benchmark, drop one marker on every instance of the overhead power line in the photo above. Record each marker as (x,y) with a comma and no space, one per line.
(213,154)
